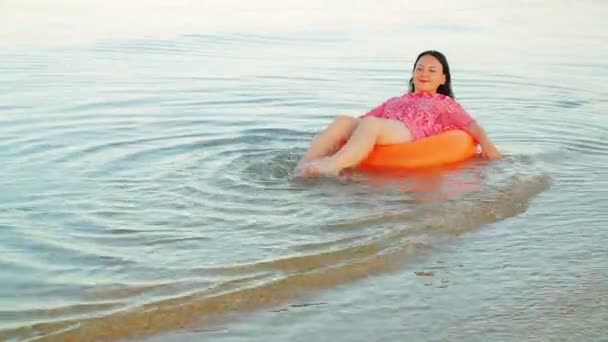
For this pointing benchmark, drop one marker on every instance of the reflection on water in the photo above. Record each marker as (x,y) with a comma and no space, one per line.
(147,171)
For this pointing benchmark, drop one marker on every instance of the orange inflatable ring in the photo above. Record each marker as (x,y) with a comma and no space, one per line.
(448,147)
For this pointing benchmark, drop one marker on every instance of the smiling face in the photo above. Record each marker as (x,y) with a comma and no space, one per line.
(428,74)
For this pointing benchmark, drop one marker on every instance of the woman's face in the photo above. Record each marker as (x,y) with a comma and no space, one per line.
(428,74)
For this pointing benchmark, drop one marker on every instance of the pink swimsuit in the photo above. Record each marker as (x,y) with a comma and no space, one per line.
(424,114)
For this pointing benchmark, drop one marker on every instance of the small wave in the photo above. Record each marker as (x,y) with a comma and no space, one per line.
(160,316)
(508,188)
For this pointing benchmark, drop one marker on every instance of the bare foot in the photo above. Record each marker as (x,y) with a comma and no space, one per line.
(324,166)
(300,169)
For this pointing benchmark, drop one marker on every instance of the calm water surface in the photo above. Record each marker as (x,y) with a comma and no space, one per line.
(147,188)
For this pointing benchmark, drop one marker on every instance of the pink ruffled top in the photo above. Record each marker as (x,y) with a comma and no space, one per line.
(424,114)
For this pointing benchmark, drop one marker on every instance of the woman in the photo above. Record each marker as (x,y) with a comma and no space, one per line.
(427,109)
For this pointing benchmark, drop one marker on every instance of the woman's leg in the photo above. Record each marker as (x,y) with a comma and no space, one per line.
(326,142)
(369,132)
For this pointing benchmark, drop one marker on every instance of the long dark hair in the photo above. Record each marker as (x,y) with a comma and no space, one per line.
(446,88)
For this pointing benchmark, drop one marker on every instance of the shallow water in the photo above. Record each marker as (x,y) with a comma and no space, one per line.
(147,187)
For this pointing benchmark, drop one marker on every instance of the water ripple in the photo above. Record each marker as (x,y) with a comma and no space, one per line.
(152,186)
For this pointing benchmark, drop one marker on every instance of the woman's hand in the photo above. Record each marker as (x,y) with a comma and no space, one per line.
(492,154)
(488,150)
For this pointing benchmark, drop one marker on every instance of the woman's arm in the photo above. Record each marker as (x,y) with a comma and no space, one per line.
(460,118)
(488,148)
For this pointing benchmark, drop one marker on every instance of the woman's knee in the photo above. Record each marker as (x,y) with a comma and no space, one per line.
(343,123)
(341,128)
(345,120)
(371,121)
